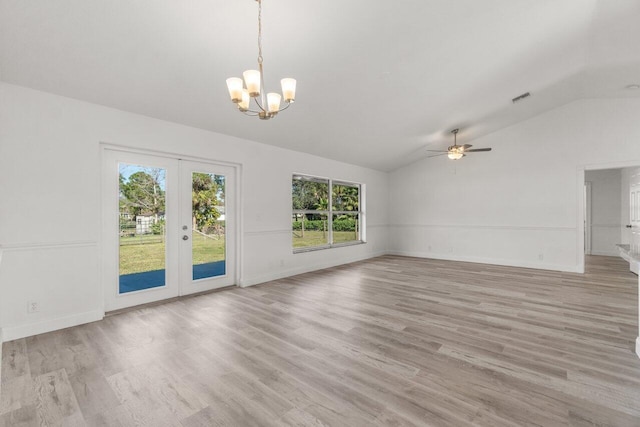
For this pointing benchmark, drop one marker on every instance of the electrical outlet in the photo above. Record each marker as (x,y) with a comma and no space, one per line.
(541,257)
(33,307)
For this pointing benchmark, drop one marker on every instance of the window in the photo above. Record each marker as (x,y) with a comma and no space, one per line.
(326,213)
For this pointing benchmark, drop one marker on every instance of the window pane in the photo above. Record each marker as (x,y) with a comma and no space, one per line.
(142,227)
(208,217)
(310,230)
(309,193)
(346,228)
(346,197)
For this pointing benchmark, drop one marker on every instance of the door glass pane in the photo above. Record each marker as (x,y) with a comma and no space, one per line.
(208,222)
(142,227)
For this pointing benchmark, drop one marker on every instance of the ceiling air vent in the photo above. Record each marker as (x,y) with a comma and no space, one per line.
(521,97)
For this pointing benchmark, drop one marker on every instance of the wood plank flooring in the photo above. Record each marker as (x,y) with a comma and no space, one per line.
(392,341)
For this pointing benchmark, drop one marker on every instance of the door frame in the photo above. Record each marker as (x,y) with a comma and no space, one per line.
(105,200)
(580,182)
(587,218)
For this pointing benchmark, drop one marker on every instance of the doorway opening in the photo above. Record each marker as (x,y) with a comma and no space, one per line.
(608,210)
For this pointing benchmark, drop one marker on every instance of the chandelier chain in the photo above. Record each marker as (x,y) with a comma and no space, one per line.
(259,31)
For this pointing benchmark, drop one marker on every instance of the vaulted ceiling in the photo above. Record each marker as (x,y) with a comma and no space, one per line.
(378,81)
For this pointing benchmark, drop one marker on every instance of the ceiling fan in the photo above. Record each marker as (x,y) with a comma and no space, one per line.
(456,152)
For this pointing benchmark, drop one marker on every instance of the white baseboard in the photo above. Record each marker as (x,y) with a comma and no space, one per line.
(30,329)
(492,261)
(446,257)
(605,253)
(281,274)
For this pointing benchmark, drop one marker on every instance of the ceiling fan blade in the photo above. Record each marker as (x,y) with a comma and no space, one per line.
(477,150)
(465,146)
(437,155)
(438,151)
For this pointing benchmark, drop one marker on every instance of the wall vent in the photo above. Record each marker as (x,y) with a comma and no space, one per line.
(521,97)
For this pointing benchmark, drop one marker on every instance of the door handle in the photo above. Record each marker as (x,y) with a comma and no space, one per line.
(629,226)
(185,237)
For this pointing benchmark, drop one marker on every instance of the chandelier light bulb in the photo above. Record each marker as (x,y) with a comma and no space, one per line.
(234,84)
(252,82)
(288,89)
(273,101)
(243,105)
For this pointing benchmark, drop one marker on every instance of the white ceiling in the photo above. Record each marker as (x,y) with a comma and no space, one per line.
(378,81)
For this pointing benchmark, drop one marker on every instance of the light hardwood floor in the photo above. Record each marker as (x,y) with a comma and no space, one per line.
(391,341)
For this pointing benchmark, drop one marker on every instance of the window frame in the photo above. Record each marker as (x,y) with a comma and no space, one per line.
(361,224)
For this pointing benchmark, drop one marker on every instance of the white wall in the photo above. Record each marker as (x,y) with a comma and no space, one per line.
(50,203)
(519,204)
(606,210)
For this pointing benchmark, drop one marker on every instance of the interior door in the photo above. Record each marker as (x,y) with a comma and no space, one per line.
(168,228)
(207,251)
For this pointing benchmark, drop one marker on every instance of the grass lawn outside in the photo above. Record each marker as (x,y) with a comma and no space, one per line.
(319,238)
(147,253)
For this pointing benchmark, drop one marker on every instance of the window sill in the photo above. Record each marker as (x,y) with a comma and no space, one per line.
(320,248)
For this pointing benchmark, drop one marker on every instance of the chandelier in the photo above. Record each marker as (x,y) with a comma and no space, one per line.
(252,88)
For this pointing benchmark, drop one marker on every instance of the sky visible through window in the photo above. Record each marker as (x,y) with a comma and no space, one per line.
(126,170)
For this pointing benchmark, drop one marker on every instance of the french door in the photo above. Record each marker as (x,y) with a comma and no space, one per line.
(168,227)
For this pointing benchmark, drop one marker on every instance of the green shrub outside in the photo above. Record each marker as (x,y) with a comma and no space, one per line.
(157,227)
(343,224)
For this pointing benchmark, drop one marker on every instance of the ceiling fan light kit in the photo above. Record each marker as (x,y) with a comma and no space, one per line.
(455,151)
(242,92)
